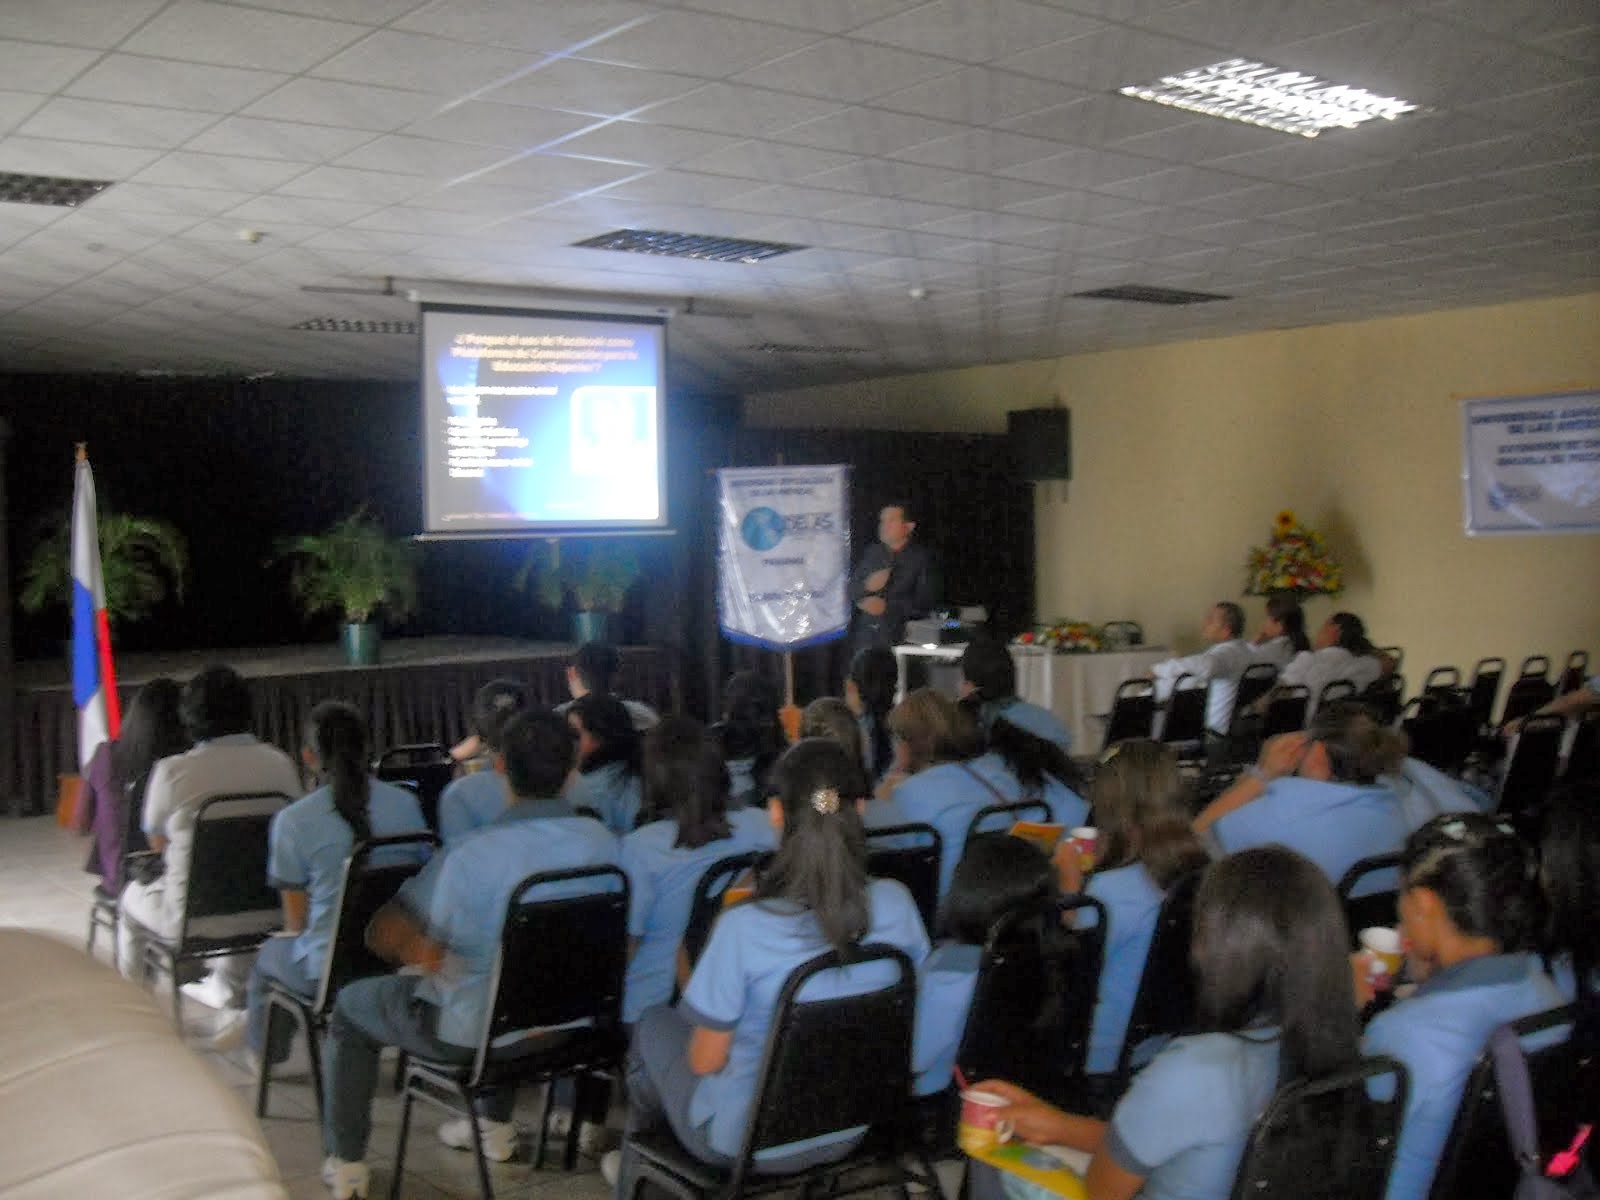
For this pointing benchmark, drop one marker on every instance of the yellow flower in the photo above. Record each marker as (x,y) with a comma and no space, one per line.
(1284,523)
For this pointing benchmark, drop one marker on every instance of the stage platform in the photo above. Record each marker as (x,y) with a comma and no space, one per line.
(420,692)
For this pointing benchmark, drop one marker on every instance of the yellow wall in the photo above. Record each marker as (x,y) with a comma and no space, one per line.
(1183,453)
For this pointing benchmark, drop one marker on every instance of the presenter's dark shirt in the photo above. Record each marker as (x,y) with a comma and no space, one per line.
(910,592)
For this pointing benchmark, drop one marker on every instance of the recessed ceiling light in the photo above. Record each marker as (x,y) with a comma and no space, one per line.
(48,189)
(354,325)
(706,247)
(1273,97)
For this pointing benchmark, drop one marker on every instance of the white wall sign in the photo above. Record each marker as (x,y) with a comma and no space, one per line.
(1531,464)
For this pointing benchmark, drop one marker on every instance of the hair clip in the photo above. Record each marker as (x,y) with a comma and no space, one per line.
(504,700)
(1109,755)
(825,801)
(1454,830)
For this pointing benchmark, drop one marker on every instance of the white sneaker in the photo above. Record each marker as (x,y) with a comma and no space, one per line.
(346,1180)
(229,1031)
(611,1166)
(213,991)
(499,1137)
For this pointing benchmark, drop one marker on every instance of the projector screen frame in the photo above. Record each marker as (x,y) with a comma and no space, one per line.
(552,530)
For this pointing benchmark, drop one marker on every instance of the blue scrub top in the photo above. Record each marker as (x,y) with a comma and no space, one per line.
(1332,824)
(1030,718)
(1133,902)
(945,985)
(613,791)
(309,843)
(471,802)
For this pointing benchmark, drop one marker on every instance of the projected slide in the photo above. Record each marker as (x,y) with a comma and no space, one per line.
(541,421)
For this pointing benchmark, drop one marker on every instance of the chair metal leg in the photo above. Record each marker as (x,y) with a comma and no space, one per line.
(313,1032)
(543,1134)
(485,1186)
(264,1065)
(400,1145)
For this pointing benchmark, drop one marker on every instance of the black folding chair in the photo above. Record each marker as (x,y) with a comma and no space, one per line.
(1530,691)
(830,1066)
(1034,998)
(998,818)
(561,963)
(229,907)
(1332,693)
(1286,711)
(1440,728)
(426,767)
(364,889)
(1442,679)
(1477,1158)
(1385,696)
(1372,908)
(911,854)
(1243,740)
(1333,1121)
(1531,772)
(1133,712)
(1185,726)
(1165,1004)
(1583,760)
(715,880)
(1575,674)
(1484,690)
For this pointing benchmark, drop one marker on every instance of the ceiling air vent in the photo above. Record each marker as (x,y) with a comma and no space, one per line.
(688,245)
(1139,293)
(343,325)
(48,189)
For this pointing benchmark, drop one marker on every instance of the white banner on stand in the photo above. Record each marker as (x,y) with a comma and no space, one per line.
(783,555)
(1531,464)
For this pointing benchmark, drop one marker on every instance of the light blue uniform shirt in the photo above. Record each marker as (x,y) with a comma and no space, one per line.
(1184,1121)
(1425,792)
(1030,718)
(735,986)
(471,802)
(612,791)
(945,985)
(1332,824)
(474,885)
(661,882)
(309,843)
(1133,902)
(1438,1033)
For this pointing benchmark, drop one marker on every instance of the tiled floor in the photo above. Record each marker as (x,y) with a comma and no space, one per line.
(43,886)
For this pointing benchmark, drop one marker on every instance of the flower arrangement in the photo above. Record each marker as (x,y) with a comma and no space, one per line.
(1064,637)
(1296,560)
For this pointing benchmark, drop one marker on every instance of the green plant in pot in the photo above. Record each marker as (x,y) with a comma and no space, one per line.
(597,576)
(358,570)
(142,560)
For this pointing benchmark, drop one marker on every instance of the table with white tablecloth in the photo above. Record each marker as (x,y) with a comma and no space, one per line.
(1077,686)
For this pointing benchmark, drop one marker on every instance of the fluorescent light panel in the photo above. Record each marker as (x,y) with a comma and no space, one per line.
(1255,93)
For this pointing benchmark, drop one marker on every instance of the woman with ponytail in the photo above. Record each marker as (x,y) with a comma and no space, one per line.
(695,1068)
(307,848)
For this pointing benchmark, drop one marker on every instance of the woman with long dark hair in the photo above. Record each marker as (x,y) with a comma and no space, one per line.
(869,690)
(750,734)
(610,761)
(686,793)
(1569,871)
(307,848)
(1269,954)
(1283,631)
(695,1067)
(113,787)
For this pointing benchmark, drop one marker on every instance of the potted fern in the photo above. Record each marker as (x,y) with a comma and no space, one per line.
(358,570)
(142,560)
(597,577)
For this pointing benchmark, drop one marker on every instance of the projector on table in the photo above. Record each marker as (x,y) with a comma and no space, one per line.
(945,630)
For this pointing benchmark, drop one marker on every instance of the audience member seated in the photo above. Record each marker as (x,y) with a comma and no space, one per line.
(989,682)
(609,762)
(112,799)
(1468,919)
(1269,959)
(694,1067)
(869,690)
(997,874)
(1283,632)
(1425,792)
(751,735)
(832,718)
(1569,871)
(1145,845)
(930,782)
(310,841)
(1340,651)
(1221,663)
(445,926)
(1318,792)
(1572,705)
(226,759)
(686,791)
(593,670)
(1018,765)
(477,798)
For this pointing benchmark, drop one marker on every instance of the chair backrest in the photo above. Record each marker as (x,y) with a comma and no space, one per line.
(708,895)
(1255,683)
(1133,712)
(1442,679)
(1166,1002)
(1441,728)
(1332,1121)
(1335,690)
(1034,998)
(1286,711)
(562,958)
(1583,760)
(1372,908)
(365,888)
(1485,689)
(228,892)
(1535,666)
(1385,696)
(1575,674)
(863,1075)
(1186,710)
(988,818)
(1532,770)
(425,766)
(910,854)
(1477,1158)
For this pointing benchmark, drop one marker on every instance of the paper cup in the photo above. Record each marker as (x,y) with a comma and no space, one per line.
(982,1128)
(1381,946)
(1086,839)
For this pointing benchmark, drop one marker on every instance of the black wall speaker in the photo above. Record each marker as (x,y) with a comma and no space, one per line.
(1041,442)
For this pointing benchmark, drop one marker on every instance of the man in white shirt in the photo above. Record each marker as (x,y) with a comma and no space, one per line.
(1221,663)
(1340,651)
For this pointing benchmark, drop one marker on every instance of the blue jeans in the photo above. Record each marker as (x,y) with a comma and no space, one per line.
(275,961)
(369,1015)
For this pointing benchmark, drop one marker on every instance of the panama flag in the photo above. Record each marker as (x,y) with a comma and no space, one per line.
(94,684)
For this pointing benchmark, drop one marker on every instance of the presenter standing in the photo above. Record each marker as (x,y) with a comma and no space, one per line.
(892,581)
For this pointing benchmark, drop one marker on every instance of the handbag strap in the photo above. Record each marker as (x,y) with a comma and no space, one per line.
(1516,1097)
(993,791)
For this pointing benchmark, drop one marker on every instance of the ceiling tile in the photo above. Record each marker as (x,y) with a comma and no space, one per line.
(352,105)
(345,183)
(97,23)
(769,161)
(689,43)
(145,197)
(282,140)
(365,12)
(570,85)
(32,67)
(975,31)
(871,131)
(423,63)
(185,169)
(509,126)
(980,96)
(431,157)
(16,107)
(100,121)
(734,108)
(39,156)
(135,80)
(852,71)
(196,31)
(826,16)
(295,210)
(644,144)
(549,26)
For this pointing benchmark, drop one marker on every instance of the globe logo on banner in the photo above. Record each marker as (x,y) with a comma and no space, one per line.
(762,528)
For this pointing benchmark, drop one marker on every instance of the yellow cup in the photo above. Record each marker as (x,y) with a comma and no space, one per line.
(982,1128)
